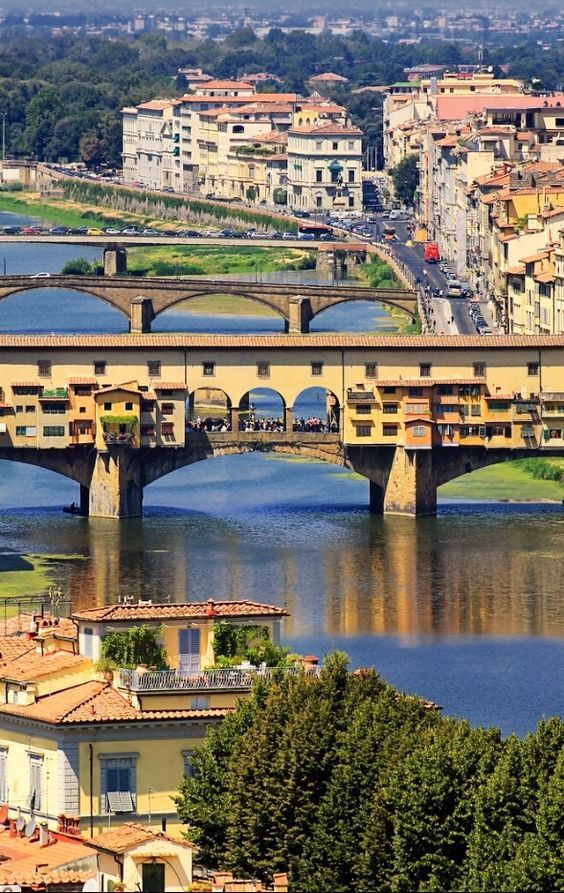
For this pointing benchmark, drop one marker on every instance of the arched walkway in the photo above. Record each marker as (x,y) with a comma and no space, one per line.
(208,409)
(263,409)
(316,409)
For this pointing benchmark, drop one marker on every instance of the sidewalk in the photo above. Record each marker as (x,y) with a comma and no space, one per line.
(438,320)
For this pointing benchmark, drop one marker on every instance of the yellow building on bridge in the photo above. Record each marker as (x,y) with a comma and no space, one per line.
(118,404)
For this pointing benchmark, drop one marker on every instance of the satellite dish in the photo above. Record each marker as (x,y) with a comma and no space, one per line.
(30,828)
(20,823)
(4,814)
(91,886)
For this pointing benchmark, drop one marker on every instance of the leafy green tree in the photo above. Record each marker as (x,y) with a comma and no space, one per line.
(406,179)
(42,114)
(134,646)
(77,267)
(94,148)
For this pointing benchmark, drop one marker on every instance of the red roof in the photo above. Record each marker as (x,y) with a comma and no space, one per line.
(131,835)
(141,612)
(97,702)
(34,665)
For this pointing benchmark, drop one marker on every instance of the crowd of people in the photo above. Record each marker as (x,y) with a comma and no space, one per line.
(312,425)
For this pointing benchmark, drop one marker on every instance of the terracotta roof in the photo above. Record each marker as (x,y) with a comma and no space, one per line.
(555,212)
(157,105)
(87,380)
(272,136)
(33,665)
(328,129)
(349,341)
(426,382)
(97,702)
(517,270)
(169,386)
(138,613)
(544,277)
(117,387)
(498,397)
(227,85)
(27,384)
(13,647)
(37,880)
(328,76)
(507,237)
(263,107)
(542,255)
(131,835)
(21,867)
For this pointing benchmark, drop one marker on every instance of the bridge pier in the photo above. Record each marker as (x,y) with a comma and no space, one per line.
(116,490)
(141,314)
(300,315)
(84,500)
(402,482)
(115,260)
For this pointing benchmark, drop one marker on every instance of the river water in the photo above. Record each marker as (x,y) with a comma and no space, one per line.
(465,608)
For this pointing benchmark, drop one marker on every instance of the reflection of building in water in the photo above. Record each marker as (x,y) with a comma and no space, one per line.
(422,579)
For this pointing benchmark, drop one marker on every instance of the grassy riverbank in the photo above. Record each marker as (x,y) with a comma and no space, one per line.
(193,260)
(22,574)
(506,482)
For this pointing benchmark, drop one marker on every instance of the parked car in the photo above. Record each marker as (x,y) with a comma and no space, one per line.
(94,231)
(111,231)
(306,237)
(31,231)
(130,231)
(150,232)
(79,231)
(302,214)
(41,276)
(189,233)
(58,231)
(289,235)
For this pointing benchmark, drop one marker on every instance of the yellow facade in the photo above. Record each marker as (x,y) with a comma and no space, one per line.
(288,366)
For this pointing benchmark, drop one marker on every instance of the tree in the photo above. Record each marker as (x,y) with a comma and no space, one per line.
(134,646)
(93,148)
(251,193)
(77,267)
(406,179)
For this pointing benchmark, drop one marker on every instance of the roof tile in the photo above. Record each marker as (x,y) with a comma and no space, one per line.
(139,613)
(130,835)
(33,665)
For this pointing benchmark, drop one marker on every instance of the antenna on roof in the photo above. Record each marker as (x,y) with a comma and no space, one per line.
(125,599)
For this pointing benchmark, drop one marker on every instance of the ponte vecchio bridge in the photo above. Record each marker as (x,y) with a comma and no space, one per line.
(407,413)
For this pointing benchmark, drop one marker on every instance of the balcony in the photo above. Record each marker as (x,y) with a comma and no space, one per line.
(231,679)
(111,437)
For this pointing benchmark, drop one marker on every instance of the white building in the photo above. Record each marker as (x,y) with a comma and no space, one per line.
(325,167)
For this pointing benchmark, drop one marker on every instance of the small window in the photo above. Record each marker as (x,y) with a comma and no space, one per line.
(424,370)
(100,367)
(30,408)
(363,409)
(390,430)
(479,370)
(317,368)
(445,390)
(475,409)
(319,176)
(147,406)
(351,176)
(208,368)
(187,757)
(263,368)
(54,431)
(200,702)
(371,370)
(154,368)
(389,408)
(107,406)
(363,430)
(44,368)
(419,430)
(128,407)
(19,408)
(35,781)
(335,146)
(532,368)
(389,390)
(167,408)
(415,392)
(318,145)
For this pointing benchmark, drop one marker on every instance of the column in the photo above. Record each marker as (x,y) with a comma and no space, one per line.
(141,314)
(84,499)
(234,417)
(289,419)
(116,490)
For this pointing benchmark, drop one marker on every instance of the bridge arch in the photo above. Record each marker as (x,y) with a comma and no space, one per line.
(202,447)
(272,303)
(87,291)
(316,402)
(331,304)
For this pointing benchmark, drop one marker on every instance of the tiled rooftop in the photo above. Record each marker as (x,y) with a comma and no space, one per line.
(98,702)
(130,835)
(33,665)
(238,342)
(139,613)
(13,647)
(24,858)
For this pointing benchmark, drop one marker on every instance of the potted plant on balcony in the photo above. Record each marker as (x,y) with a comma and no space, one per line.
(137,648)
(107,667)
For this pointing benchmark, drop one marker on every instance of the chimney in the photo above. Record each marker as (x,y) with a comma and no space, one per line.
(210,608)
(12,832)
(44,838)
(163,825)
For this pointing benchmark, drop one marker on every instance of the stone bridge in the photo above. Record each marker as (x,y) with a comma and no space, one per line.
(401,481)
(141,300)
